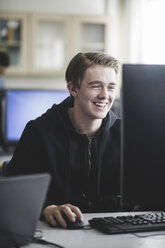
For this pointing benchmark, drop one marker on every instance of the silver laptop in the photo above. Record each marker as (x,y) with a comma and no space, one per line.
(21,202)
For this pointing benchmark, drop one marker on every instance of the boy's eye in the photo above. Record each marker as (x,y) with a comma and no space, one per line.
(95,86)
(112,87)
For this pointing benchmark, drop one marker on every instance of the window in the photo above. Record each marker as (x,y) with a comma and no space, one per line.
(153,35)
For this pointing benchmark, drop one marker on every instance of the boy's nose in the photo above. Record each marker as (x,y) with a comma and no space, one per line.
(103,93)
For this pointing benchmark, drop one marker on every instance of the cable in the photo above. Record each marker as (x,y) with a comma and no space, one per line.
(87,227)
(148,235)
(39,238)
(45,242)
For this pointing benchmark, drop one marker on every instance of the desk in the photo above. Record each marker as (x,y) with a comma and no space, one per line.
(95,239)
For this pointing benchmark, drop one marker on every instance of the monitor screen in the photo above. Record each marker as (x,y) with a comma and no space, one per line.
(22,106)
(143,137)
(2,97)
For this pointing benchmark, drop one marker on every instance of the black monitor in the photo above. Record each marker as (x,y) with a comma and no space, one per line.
(18,106)
(143,137)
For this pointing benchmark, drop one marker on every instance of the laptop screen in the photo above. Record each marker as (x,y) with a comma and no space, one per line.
(22,199)
(143,137)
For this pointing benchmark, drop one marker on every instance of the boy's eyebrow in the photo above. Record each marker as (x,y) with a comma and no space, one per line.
(99,82)
(94,82)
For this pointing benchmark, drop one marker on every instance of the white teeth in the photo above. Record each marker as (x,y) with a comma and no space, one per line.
(100,104)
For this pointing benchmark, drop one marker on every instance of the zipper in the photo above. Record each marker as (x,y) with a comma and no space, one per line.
(89,155)
(89,168)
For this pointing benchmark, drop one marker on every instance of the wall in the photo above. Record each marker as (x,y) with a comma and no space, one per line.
(88,7)
(55,6)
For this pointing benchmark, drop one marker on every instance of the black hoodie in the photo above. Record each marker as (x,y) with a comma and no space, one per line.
(51,144)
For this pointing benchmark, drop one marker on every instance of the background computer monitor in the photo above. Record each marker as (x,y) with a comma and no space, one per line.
(2,93)
(20,106)
(143,137)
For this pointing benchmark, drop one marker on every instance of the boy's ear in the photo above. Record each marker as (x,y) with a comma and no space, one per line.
(72,89)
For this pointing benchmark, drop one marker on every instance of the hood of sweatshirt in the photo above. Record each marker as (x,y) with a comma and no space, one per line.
(60,112)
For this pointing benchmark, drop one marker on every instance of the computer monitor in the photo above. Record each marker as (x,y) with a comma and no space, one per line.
(143,137)
(22,105)
(2,93)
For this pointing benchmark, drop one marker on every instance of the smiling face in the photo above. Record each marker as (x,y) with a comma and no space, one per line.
(96,95)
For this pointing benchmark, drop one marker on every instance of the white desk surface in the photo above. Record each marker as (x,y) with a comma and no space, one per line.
(95,239)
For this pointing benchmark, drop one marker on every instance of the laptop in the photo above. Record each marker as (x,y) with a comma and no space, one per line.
(21,201)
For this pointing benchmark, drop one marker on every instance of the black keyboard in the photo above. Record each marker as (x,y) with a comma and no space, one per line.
(130,223)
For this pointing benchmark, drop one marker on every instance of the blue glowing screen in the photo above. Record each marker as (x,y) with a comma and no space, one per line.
(25,105)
